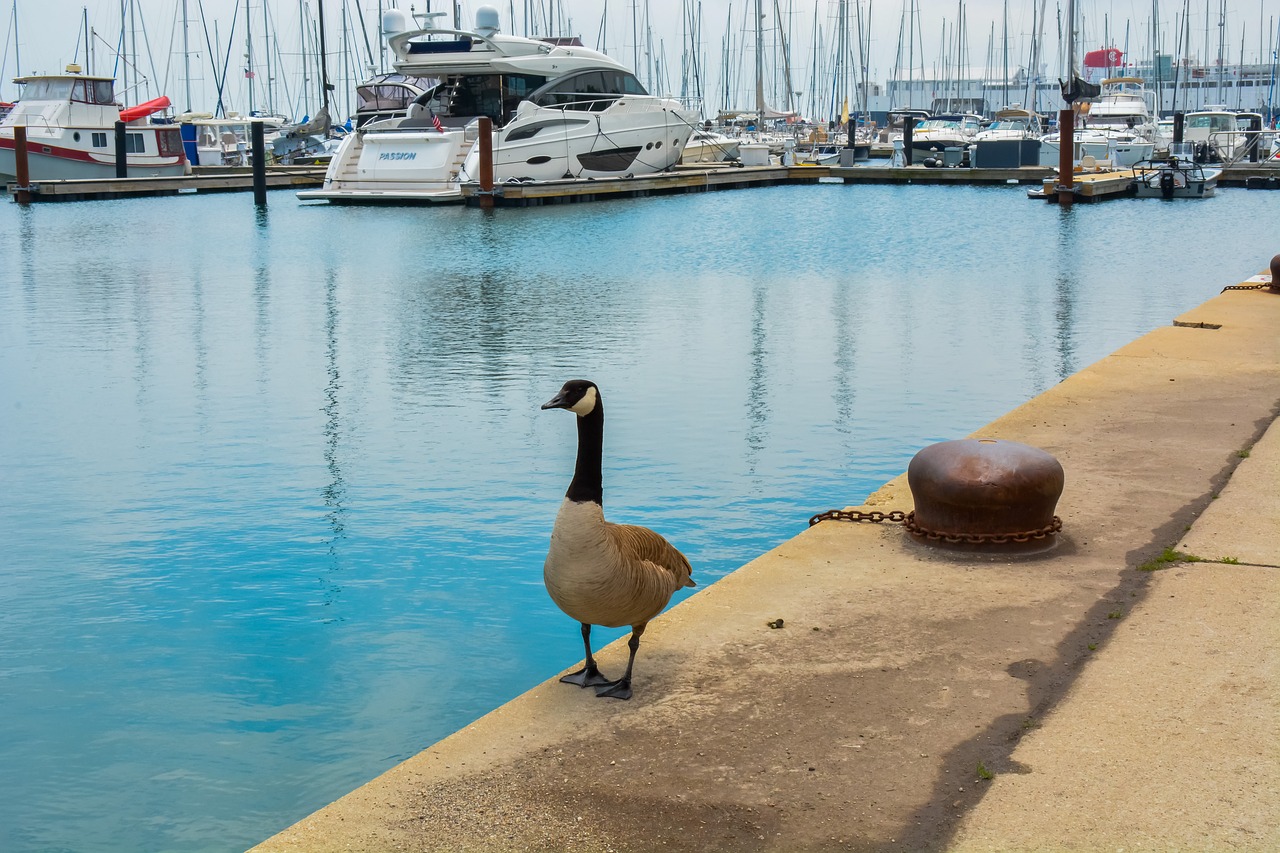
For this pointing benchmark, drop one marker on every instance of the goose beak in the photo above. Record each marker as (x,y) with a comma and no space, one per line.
(557,402)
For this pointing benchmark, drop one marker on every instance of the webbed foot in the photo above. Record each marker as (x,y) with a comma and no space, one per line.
(588,676)
(620,689)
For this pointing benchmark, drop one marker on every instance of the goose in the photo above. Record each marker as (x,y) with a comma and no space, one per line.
(598,572)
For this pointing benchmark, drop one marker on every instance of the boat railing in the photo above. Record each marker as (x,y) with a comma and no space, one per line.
(1233,146)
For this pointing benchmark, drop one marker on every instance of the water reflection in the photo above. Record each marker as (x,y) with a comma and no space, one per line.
(1067,269)
(335,493)
(845,357)
(757,378)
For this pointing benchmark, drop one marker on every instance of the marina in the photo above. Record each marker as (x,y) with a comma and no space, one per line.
(280,510)
(282,489)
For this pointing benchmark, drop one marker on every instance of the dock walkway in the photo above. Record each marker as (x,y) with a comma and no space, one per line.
(1094,698)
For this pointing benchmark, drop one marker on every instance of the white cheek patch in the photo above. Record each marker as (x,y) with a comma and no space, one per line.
(586,405)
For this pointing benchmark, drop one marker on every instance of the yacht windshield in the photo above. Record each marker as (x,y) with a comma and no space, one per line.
(494,95)
(588,90)
(47,90)
(391,92)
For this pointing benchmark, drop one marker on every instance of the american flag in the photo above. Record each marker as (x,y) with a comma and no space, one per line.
(435,119)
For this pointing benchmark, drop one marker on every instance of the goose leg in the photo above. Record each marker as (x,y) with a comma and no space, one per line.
(621,689)
(589,675)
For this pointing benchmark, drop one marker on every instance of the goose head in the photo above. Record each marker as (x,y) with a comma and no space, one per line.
(578,396)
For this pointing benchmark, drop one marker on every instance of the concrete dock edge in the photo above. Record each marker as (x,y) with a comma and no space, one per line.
(1109,694)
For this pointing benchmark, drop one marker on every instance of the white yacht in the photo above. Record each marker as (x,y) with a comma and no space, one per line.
(225,141)
(1011,123)
(70,120)
(709,146)
(1219,134)
(940,132)
(1119,126)
(558,111)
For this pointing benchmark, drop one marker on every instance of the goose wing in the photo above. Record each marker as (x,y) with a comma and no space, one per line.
(643,545)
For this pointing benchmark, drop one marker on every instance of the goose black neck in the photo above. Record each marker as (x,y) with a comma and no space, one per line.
(587,478)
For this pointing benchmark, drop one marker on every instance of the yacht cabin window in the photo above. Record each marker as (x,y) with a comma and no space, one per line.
(494,95)
(588,90)
(47,90)
(93,92)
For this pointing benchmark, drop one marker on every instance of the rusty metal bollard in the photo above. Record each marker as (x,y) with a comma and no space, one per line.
(985,495)
(1275,274)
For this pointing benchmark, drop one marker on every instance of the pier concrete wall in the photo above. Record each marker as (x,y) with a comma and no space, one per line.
(1095,697)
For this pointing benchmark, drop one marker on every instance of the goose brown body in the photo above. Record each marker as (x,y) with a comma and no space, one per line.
(608,574)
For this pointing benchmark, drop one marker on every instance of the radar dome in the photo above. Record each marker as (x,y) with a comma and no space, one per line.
(394,22)
(487,21)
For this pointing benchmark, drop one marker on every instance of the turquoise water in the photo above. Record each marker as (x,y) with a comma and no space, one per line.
(278,488)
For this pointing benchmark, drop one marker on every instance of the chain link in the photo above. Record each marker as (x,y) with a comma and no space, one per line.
(1264,286)
(908,520)
(875,517)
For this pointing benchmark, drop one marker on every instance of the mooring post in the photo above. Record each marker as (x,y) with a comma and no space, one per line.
(908,130)
(1066,156)
(258,141)
(486,161)
(22,171)
(1255,134)
(122,155)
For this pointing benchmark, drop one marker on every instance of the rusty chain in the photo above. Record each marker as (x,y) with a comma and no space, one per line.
(908,520)
(875,517)
(1263,286)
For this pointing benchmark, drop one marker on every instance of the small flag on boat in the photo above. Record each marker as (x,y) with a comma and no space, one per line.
(435,119)
(249,74)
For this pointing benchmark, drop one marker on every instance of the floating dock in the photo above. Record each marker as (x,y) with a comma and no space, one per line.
(205,179)
(1092,186)
(1118,183)
(704,179)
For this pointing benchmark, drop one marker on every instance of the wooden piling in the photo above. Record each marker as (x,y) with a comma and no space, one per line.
(486,161)
(21,167)
(1066,160)
(258,141)
(122,154)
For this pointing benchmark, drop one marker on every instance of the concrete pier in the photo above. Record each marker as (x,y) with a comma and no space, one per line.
(1108,694)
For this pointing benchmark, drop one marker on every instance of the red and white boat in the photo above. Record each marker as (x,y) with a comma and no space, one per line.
(70,120)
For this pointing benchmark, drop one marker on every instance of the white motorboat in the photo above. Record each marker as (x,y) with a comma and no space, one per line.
(70,121)
(558,111)
(1011,123)
(1117,127)
(1221,135)
(1177,176)
(940,132)
(708,146)
(225,141)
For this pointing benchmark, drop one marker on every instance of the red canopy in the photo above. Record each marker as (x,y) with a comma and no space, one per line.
(144,109)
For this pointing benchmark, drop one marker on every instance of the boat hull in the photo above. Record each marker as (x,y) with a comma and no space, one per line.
(53,163)
(397,160)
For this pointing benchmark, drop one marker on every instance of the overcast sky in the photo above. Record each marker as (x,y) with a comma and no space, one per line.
(50,34)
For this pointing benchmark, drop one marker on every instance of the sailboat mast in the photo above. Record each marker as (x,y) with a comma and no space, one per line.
(324,63)
(759,66)
(186,55)
(248,52)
